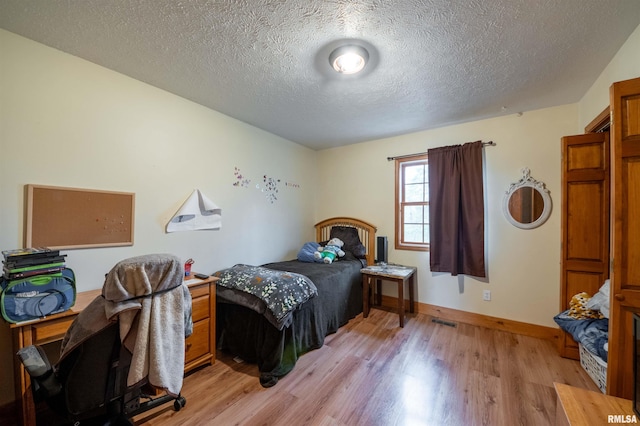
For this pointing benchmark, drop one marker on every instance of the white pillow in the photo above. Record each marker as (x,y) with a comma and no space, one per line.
(600,300)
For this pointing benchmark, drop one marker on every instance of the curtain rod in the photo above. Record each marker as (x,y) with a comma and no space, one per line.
(490,143)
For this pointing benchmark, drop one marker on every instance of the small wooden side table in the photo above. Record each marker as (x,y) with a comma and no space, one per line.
(396,273)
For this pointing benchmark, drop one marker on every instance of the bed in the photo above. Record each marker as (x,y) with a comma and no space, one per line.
(276,344)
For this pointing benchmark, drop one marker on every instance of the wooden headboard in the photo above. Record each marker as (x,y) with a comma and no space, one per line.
(366,231)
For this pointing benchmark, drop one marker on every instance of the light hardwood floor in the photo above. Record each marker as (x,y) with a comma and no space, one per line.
(371,372)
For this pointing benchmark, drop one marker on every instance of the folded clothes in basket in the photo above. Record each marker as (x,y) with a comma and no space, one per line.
(593,334)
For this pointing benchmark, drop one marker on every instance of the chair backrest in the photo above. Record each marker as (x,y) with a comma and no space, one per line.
(94,365)
(93,374)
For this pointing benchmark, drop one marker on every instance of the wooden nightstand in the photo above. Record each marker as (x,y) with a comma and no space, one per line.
(396,273)
(200,347)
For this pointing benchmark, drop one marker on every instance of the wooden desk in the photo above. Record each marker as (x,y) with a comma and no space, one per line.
(200,347)
(45,331)
(580,407)
(396,273)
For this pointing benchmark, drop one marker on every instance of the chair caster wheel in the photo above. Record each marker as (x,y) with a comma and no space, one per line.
(179,403)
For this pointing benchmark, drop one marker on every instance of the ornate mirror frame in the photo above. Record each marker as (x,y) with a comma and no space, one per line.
(527,181)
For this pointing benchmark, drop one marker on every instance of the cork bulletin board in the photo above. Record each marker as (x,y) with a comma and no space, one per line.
(67,218)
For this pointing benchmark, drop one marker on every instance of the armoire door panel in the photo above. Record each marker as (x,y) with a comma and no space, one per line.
(630,150)
(570,347)
(578,282)
(630,255)
(584,221)
(630,113)
(587,266)
(620,377)
(586,175)
(585,156)
(625,238)
(628,297)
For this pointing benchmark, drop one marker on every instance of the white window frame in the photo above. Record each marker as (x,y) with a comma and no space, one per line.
(400,203)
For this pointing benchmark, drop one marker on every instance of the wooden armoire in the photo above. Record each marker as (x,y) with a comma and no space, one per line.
(601,226)
(585,221)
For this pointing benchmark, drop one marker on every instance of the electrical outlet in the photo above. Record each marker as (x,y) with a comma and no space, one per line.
(486,295)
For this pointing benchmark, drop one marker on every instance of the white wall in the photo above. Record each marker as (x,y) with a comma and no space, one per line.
(67,122)
(624,66)
(523,265)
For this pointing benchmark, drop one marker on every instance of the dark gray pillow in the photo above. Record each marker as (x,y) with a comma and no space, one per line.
(351,240)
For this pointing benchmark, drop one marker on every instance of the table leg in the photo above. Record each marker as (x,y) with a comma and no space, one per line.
(412,282)
(365,295)
(378,292)
(401,301)
(23,337)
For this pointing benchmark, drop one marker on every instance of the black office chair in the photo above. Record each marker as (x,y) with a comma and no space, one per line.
(89,385)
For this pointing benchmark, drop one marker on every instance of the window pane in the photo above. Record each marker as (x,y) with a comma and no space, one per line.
(413,233)
(414,174)
(412,203)
(413,214)
(414,193)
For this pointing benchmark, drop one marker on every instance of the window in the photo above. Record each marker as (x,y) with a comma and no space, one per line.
(412,203)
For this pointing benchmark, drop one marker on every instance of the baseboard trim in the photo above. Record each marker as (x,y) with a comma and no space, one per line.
(517,327)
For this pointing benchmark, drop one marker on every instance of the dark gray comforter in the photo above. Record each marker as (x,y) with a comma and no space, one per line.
(249,335)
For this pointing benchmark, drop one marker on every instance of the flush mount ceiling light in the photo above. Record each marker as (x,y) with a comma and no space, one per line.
(349,59)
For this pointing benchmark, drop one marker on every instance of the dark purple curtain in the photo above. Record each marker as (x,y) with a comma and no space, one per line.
(456,209)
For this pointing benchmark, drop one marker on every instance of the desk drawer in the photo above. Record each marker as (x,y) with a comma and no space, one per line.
(200,308)
(50,331)
(197,344)
(199,290)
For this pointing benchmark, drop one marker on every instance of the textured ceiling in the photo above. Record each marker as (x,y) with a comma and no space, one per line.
(433,62)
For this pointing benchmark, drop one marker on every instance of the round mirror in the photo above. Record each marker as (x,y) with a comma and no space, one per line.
(527,203)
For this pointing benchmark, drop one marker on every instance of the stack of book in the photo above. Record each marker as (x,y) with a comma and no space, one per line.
(29,262)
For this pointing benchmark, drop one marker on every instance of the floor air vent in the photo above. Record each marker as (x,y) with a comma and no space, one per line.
(443,322)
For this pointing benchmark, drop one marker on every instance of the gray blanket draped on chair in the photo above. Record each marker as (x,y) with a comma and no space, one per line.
(148,298)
